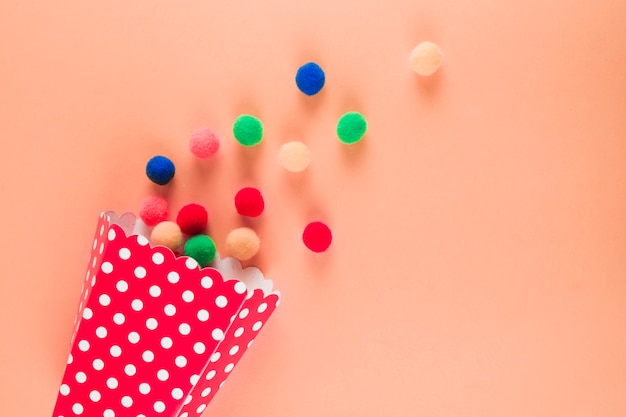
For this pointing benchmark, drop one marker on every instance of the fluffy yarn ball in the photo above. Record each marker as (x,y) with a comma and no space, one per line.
(310,78)
(203,143)
(317,236)
(351,127)
(160,170)
(248,130)
(294,156)
(425,58)
(249,202)
(192,219)
(201,248)
(243,243)
(167,234)
(153,210)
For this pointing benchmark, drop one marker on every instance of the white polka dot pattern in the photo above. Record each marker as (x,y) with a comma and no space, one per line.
(147,326)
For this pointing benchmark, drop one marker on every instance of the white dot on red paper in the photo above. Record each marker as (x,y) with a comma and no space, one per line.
(147,356)
(239,332)
(70,359)
(200,408)
(77,409)
(122,286)
(127,401)
(119,318)
(95,396)
(130,369)
(233,350)
(199,348)
(210,375)
(177,393)
(111,234)
(101,248)
(169,310)
(95,243)
(144,388)
(229,367)
(193,379)
(217,334)
(158,258)
(162,375)
(93,281)
(180,361)
(203,315)
(240,287)
(133,337)
(115,351)
(124,253)
(151,323)
(104,300)
(155,291)
(64,390)
(206,282)
(256,326)
(250,342)
(184,329)
(173,277)
(87,313)
(262,307)
(215,357)
(205,392)
(101,332)
(107,267)
(188,399)
(191,263)
(137,305)
(166,342)
(185,414)
(98,364)
(81,377)
(244,313)
(221,301)
(83,345)
(140,272)
(159,406)
(142,240)
(108,413)
(93,264)
(188,296)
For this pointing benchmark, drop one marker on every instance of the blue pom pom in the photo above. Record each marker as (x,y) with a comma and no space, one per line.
(160,170)
(310,78)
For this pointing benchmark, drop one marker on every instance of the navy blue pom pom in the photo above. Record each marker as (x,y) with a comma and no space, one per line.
(310,78)
(160,170)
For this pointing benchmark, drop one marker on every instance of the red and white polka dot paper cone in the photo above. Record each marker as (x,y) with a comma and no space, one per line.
(156,335)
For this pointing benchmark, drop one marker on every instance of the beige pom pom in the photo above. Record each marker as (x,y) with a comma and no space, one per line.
(294,156)
(167,234)
(425,59)
(243,243)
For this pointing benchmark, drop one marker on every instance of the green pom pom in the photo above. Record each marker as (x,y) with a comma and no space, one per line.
(248,130)
(201,248)
(351,127)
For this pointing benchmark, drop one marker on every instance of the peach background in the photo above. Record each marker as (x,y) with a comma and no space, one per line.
(479,261)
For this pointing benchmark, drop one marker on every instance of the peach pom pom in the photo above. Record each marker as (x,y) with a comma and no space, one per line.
(425,59)
(294,156)
(243,243)
(167,234)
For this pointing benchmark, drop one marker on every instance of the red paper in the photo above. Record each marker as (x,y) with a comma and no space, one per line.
(155,334)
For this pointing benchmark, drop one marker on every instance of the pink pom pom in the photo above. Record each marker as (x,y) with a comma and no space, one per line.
(204,143)
(153,210)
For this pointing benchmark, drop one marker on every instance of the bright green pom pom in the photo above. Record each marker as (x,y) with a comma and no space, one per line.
(248,130)
(201,248)
(351,127)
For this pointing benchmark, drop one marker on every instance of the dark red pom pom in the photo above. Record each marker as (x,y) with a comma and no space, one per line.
(249,202)
(192,219)
(317,236)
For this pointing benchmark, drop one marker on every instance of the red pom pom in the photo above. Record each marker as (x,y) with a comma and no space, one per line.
(153,210)
(317,236)
(249,202)
(192,219)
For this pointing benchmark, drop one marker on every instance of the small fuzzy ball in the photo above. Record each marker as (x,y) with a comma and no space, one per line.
(294,156)
(192,219)
(204,143)
(248,130)
(425,58)
(249,202)
(317,236)
(351,127)
(160,170)
(243,243)
(153,210)
(310,78)
(167,234)
(201,248)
